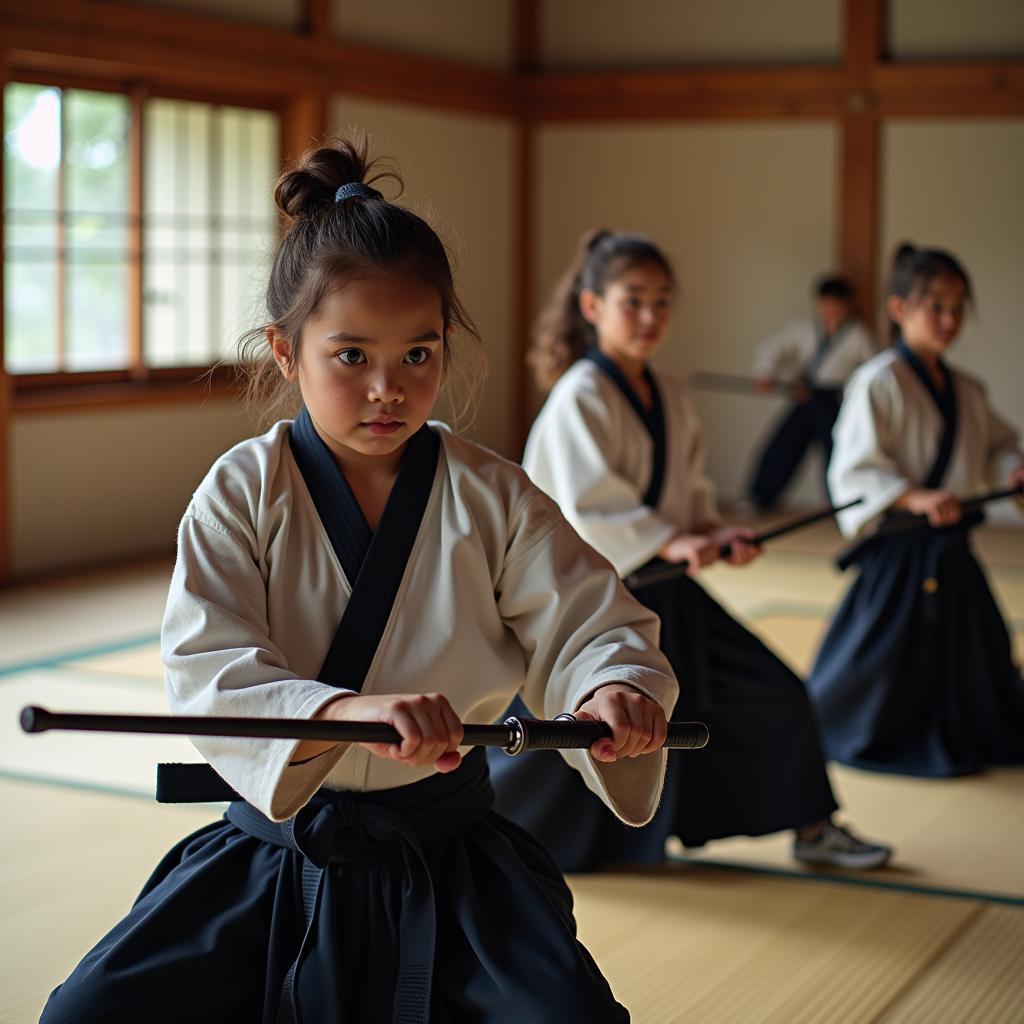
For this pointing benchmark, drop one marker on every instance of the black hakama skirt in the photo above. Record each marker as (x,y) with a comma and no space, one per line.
(762,772)
(402,905)
(916,673)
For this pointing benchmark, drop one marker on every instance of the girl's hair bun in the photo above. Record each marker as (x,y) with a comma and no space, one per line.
(593,238)
(905,251)
(313,183)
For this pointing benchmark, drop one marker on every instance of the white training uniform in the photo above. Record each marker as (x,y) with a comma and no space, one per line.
(499,596)
(590,451)
(888,434)
(786,353)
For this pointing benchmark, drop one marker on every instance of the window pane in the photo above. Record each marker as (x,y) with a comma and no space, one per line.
(95,224)
(96,151)
(30,316)
(31,177)
(208,225)
(97,338)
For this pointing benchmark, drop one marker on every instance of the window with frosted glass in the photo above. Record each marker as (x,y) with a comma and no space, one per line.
(72,234)
(65,229)
(208,226)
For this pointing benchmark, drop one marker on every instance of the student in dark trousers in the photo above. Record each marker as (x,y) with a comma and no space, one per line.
(916,673)
(360,563)
(619,446)
(814,356)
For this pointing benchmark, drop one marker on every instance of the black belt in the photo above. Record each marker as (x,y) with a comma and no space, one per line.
(337,827)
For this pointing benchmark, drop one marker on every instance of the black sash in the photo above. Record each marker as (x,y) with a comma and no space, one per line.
(374,564)
(945,402)
(653,419)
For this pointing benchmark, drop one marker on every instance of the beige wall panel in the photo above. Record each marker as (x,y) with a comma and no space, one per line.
(286,13)
(474,31)
(956,28)
(104,484)
(958,185)
(608,33)
(745,212)
(459,176)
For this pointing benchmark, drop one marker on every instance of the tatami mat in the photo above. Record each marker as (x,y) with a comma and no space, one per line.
(73,863)
(693,945)
(722,948)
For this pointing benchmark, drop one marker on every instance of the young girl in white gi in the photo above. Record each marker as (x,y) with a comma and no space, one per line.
(814,355)
(619,447)
(361,563)
(916,673)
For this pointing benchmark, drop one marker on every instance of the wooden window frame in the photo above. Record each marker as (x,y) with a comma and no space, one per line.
(136,383)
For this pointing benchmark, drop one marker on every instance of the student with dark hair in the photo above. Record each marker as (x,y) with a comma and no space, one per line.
(361,563)
(618,445)
(916,673)
(813,355)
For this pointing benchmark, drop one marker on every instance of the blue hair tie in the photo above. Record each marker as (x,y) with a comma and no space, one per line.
(355,190)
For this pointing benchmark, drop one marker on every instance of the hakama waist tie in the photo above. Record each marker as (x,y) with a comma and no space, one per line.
(338,827)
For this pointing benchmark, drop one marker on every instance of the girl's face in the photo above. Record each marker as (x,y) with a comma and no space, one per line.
(930,322)
(369,365)
(631,317)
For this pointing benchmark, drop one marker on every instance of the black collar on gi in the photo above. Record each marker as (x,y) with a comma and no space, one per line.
(653,419)
(945,402)
(373,561)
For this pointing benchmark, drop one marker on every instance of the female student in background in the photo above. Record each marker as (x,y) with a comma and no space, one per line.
(619,447)
(815,355)
(916,673)
(360,563)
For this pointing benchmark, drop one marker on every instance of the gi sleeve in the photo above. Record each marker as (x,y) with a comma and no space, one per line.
(567,457)
(862,464)
(219,660)
(581,629)
(778,355)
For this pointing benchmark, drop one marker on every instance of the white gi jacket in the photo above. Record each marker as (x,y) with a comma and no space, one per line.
(590,451)
(888,433)
(785,354)
(499,596)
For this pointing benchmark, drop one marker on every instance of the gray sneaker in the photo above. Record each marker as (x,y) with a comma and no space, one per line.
(838,847)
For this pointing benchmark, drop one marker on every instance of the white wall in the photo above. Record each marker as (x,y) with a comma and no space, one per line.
(646,33)
(473,31)
(459,173)
(107,483)
(745,211)
(956,28)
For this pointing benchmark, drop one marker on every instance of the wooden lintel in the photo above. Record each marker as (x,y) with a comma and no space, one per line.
(223,56)
(858,210)
(937,89)
(687,93)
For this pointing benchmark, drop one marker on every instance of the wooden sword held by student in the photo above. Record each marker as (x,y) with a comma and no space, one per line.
(660,574)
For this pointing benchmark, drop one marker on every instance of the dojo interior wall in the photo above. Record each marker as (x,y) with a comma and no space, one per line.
(747,210)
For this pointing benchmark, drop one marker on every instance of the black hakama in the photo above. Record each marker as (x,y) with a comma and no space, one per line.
(762,772)
(406,905)
(916,673)
(335,916)
(803,426)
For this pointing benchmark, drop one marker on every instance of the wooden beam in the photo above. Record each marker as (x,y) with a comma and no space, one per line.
(858,206)
(949,89)
(864,24)
(303,124)
(100,38)
(864,32)
(693,93)
(316,18)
